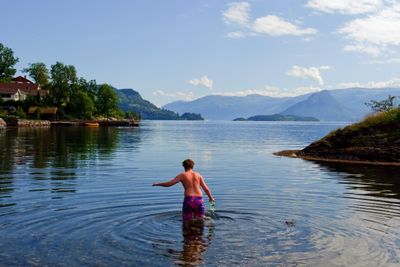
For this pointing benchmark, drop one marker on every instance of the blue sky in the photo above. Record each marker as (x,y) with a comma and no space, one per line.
(180,50)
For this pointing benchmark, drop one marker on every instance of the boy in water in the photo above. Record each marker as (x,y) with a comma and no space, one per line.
(193,204)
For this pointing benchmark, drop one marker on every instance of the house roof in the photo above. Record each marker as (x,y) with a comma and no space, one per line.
(24,85)
(21,79)
(43,110)
(28,88)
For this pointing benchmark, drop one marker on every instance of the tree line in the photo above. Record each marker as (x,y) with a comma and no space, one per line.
(74,96)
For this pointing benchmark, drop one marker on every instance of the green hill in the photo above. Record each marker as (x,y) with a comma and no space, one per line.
(131,100)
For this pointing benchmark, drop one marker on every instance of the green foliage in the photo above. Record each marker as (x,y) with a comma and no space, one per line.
(63,78)
(81,105)
(7,62)
(130,100)
(191,117)
(20,113)
(132,115)
(38,72)
(381,119)
(32,101)
(107,101)
(384,105)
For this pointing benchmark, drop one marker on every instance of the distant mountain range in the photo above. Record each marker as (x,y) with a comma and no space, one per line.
(131,100)
(332,105)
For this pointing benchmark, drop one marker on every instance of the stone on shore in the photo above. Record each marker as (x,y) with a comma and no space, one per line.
(3,124)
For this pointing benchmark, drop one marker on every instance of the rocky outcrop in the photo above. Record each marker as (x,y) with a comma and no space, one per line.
(375,140)
(377,143)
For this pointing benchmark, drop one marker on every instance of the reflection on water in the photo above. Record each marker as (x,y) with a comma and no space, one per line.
(83,197)
(52,154)
(195,243)
(374,181)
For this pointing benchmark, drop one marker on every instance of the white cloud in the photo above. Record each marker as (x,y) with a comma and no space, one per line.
(374,33)
(360,48)
(385,61)
(236,35)
(393,83)
(351,7)
(203,81)
(276,26)
(237,13)
(305,73)
(178,95)
(273,91)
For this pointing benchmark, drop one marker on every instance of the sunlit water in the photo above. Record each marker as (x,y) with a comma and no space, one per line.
(83,197)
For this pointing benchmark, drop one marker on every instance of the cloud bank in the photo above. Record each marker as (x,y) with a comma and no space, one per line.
(203,81)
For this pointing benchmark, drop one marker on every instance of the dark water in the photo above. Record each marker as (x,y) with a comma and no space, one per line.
(83,197)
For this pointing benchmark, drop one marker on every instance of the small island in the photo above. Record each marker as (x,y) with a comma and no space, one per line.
(375,140)
(277,117)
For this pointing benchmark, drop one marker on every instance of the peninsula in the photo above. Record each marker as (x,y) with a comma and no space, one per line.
(375,140)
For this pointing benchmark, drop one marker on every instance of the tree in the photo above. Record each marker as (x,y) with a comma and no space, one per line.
(38,72)
(63,77)
(7,62)
(107,100)
(384,105)
(82,106)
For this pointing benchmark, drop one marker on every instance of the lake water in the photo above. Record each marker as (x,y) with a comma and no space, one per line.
(83,197)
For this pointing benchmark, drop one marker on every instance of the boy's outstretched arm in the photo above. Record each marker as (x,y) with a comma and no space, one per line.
(206,189)
(176,180)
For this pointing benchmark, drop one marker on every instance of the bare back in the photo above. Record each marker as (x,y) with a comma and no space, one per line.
(192,182)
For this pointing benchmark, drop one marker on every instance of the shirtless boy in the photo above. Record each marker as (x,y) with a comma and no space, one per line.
(193,204)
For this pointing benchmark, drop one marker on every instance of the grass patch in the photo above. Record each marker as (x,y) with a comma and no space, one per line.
(381,119)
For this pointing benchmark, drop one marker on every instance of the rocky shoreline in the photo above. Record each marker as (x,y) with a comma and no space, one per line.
(297,154)
(46,123)
(376,140)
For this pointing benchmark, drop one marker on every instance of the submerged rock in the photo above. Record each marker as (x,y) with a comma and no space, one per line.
(290,223)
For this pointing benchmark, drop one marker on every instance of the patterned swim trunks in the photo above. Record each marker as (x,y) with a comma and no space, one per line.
(193,208)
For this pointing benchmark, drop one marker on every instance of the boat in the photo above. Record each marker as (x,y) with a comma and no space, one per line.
(92,124)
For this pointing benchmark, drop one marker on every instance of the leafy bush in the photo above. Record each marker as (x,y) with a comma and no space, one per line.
(20,113)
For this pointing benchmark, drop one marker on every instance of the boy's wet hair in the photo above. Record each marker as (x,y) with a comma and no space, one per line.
(188,164)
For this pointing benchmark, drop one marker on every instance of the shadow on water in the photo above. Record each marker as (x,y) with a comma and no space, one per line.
(368,180)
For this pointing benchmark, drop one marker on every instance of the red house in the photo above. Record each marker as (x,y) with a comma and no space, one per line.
(19,88)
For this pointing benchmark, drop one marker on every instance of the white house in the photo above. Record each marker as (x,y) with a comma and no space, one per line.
(12,94)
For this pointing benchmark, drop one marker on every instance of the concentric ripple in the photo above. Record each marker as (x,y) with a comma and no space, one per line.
(85,199)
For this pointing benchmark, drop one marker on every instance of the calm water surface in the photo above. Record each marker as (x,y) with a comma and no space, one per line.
(83,197)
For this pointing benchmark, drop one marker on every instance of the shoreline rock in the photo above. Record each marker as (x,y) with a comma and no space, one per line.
(14,122)
(375,140)
(294,154)
(28,123)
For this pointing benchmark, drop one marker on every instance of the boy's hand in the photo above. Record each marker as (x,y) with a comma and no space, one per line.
(212,199)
